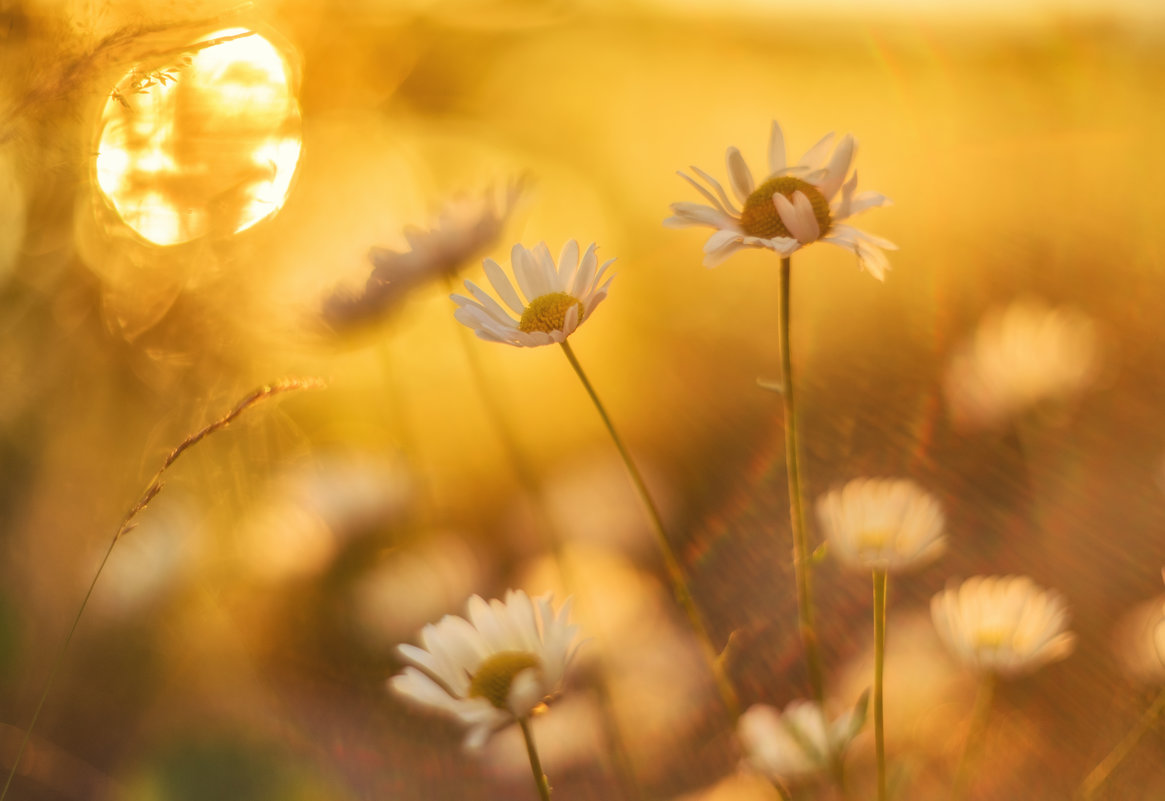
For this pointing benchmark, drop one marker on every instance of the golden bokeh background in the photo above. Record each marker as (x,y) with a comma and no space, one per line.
(238,642)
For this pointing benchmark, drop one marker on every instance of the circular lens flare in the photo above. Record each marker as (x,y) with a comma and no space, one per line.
(204,144)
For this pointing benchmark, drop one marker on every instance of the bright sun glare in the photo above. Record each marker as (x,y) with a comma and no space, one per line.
(206,144)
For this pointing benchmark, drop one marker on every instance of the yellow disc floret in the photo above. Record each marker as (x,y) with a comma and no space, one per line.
(548,312)
(760,218)
(874,539)
(495,675)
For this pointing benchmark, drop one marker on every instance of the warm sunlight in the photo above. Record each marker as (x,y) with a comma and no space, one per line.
(205,143)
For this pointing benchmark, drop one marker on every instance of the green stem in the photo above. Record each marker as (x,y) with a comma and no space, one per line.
(801,555)
(675,572)
(1100,773)
(540,779)
(527,477)
(978,727)
(879,662)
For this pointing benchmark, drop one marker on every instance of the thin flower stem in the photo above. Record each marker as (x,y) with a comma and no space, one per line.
(975,732)
(404,424)
(879,662)
(675,572)
(801,555)
(540,779)
(127,524)
(527,477)
(781,791)
(1098,775)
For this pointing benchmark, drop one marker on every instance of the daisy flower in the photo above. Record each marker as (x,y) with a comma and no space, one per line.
(794,206)
(1004,625)
(797,743)
(492,669)
(882,524)
(465,227)
(558,298)
(1019,356)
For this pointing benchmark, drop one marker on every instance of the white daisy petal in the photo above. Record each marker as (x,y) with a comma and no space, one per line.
(467,226)
(1020,357)
(728,205)
(796,744)
(882,524)
(812,183)
(525,271)
(567,263)
(1002,624)
(544,285)
(838,167)
(814,157)
(505,650)
(501,284)
(716,203)
(739,175)
(776,149)
(868,200)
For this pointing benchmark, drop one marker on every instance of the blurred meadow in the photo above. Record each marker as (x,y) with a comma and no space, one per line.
(238,643)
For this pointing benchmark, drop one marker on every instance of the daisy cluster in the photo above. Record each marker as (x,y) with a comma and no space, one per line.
(506,660)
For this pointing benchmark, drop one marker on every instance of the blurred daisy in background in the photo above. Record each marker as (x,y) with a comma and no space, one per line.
(558,297)
(1020,356)
(882,524)
(492,669)
(465,228)
(799,742)
(1003,625)
(1139,638)
(795,206)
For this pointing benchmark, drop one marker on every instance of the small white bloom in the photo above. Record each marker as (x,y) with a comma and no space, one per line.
(465,227)
(1019,356)
(882,524)
(558,298)
(1002,624)
(492,669)
(795,206)
(797,743)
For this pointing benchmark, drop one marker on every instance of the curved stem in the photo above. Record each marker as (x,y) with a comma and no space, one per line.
(540,779)
(975,733)
(1098,775)
(527,477)
(675,572)
(879,662)
(801,566)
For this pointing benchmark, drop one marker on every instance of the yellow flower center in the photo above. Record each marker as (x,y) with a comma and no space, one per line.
(548,312)
(760,217)
(495,675)
(874,539)
(992,638)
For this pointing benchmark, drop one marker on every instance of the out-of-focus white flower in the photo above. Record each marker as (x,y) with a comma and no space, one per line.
(795,206)
(467,226)
(492,669)
(1019,356)
(882,524)
(558,297)
(1005,625)
(1139,638)
(797,743)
